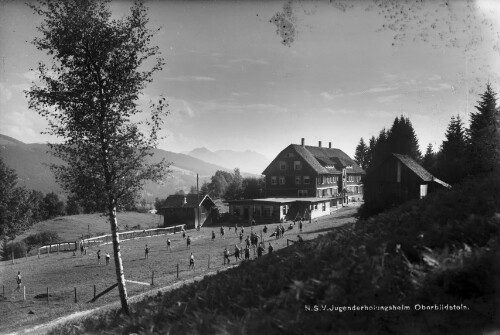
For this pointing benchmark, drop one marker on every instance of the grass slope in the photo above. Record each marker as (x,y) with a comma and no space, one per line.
(72,227)
(442,252)
(62,273)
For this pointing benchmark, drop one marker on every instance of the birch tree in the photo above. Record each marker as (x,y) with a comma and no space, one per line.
(98,68)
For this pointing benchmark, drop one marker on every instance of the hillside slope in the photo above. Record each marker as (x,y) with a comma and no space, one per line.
(30,161)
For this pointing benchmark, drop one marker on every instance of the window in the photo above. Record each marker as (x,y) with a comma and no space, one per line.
(282,165)
(282,180)
(302,193)
(297,180)
(306,180)
(324,206)
(274,180)
(297,165)
(290,155)
(267,211)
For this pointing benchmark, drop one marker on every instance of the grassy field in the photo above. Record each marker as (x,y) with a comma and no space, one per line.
(64,272)
(72,227)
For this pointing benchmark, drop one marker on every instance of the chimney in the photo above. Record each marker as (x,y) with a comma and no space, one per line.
(319,144)
(330,145)
(302,141)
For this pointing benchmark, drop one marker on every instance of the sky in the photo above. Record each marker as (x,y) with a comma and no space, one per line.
(346,71)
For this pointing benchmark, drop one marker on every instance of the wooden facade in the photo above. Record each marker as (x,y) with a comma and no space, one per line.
(399,178)
(319,172)
(184,209)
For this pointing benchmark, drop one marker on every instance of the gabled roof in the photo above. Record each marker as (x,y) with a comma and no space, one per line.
(321,160)
(418,169)
(188,200)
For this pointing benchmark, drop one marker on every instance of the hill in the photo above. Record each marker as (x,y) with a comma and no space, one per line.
(30,161)
(249,161)
(72,227)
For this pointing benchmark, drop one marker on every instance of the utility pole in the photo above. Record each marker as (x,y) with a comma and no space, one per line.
(198,196)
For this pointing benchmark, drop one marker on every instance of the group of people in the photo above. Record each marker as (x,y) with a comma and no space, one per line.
(108,257)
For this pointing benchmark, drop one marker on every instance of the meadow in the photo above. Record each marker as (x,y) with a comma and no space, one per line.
(62,273)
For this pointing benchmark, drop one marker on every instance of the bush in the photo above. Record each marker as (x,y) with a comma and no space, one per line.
(40,239)
(19,248)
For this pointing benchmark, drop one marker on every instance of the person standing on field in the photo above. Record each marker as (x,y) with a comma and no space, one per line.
(107,258)
(99,256)
(191,262)
(168,243)
(146,252)
(18,281)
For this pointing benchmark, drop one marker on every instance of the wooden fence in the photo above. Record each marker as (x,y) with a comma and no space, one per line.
(128,235)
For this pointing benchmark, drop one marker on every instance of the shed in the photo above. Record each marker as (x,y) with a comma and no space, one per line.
(190,209)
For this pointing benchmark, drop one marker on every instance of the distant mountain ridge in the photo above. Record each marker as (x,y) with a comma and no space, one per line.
(248,160)
(30,161)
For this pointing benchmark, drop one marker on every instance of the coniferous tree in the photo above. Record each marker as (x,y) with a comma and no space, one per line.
(369,152)
(484,135)
(360,155)
(430,159)
(380,149)
(451,163)
(402,139)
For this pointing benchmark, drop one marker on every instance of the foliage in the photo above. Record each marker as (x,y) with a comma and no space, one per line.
(53,206)
(234,189)
(15,205)
(361,153)
(430,159)
(253,188)
(41,238)
(451,163)
(484,135)
(401,139)
(99,67)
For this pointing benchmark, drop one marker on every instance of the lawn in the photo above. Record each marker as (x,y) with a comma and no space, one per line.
(72,227)
(62,273)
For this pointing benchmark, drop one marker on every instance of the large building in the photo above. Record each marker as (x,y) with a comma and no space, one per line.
(304,181)
(320,172)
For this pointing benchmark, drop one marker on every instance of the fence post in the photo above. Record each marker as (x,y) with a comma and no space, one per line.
(24,292)
(177,270)
(152,278)
(48,251)
(12,253)
(26,254)
(209,261)
(47,295)
(38,253)
(75,296)
(94,291)
(3,291)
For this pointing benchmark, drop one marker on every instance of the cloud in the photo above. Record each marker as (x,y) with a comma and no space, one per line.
(240,94)
(335,111)
(228,106)
(338,93)
(331,96)
(388,98)
(251,61)
(440,87)
(434,77)
(379,90)
(5,93)
(181,107)
(190,78)
(381,114)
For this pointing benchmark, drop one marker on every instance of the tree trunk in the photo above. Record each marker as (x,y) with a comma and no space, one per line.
(120,276)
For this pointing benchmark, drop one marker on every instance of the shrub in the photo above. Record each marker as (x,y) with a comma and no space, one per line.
(42,238)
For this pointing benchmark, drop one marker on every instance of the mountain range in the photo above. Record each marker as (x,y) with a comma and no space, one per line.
(30,162)
(249,161)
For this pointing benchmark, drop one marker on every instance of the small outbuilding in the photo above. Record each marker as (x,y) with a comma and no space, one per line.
(190,209)
(399,178)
